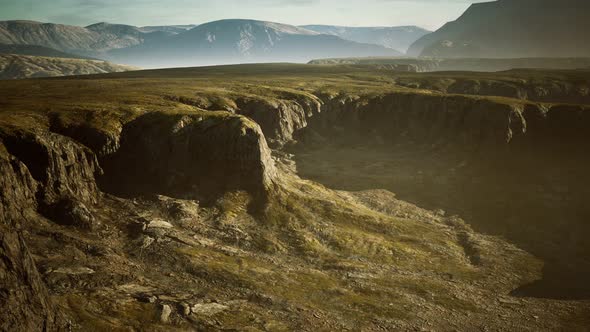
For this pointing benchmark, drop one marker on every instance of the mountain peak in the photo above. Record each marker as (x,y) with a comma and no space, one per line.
(512,29)
(278,27)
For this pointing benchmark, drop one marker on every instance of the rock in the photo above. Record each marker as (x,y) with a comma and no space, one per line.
(178,156)
(158,223)
(166,312)
(25,302)
(62,167)
(208,309)
(146,298)
(180,210)
(17,190)
(146,241)
(24,299)
(186,309)
(70,212)
(73,270)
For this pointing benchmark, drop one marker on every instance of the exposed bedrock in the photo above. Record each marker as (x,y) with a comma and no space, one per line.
(432,119)
(17,190)
(540,90)
(54,175)
(509,168)
(190,156)
(62,167)
(25,303)
(279,119)
(100,131)
(458,122)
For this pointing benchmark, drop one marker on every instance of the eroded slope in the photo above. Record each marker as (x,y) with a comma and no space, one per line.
(153,202)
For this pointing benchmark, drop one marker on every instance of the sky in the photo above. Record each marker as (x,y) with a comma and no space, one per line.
(430,14)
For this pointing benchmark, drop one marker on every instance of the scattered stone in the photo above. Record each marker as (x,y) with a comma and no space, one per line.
(147,298)
(508,301)
(186,309)
(180,210)
(70,212)
(146,242)
(166,311)
(159,223)
(208,309)
(73,270)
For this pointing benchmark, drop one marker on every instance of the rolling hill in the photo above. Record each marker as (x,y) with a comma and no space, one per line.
(14,66)
(36,50)
(506,28)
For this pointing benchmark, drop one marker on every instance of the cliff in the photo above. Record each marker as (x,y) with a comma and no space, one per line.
(153,200)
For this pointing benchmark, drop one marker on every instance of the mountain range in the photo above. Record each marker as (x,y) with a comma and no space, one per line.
(512,29)
(397,38)
(219,42)
(243,41)
(498,29)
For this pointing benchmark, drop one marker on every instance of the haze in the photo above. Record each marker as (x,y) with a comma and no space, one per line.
(430,14)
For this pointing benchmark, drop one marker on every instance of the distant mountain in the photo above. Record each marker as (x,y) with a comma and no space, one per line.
(513,28)
(91,41)
(36,50)
(23,66)
(220,42)
(397,38)
(172,29)
(243,41)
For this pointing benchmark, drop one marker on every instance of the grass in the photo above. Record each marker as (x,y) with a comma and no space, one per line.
(314,252)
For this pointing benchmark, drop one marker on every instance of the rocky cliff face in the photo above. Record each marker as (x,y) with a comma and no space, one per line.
(190,156)
(62,167)
(539,89)
(50,175)
(280,119)
(25,301)
(24,298)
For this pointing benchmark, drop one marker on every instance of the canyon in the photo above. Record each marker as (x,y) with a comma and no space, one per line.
(295,197)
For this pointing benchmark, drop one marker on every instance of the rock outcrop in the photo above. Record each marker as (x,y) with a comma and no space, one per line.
(434,64)
(62,167)
(550,89)
(25,302)
(279,119)
(190,155)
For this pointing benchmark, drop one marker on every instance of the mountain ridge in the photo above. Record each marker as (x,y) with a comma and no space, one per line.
(243,41)
(396,37)
(218,42)
(511,29)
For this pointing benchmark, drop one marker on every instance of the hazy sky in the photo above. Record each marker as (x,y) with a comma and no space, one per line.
(426,13)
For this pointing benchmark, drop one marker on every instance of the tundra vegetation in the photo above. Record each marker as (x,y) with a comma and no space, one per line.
(295,197)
